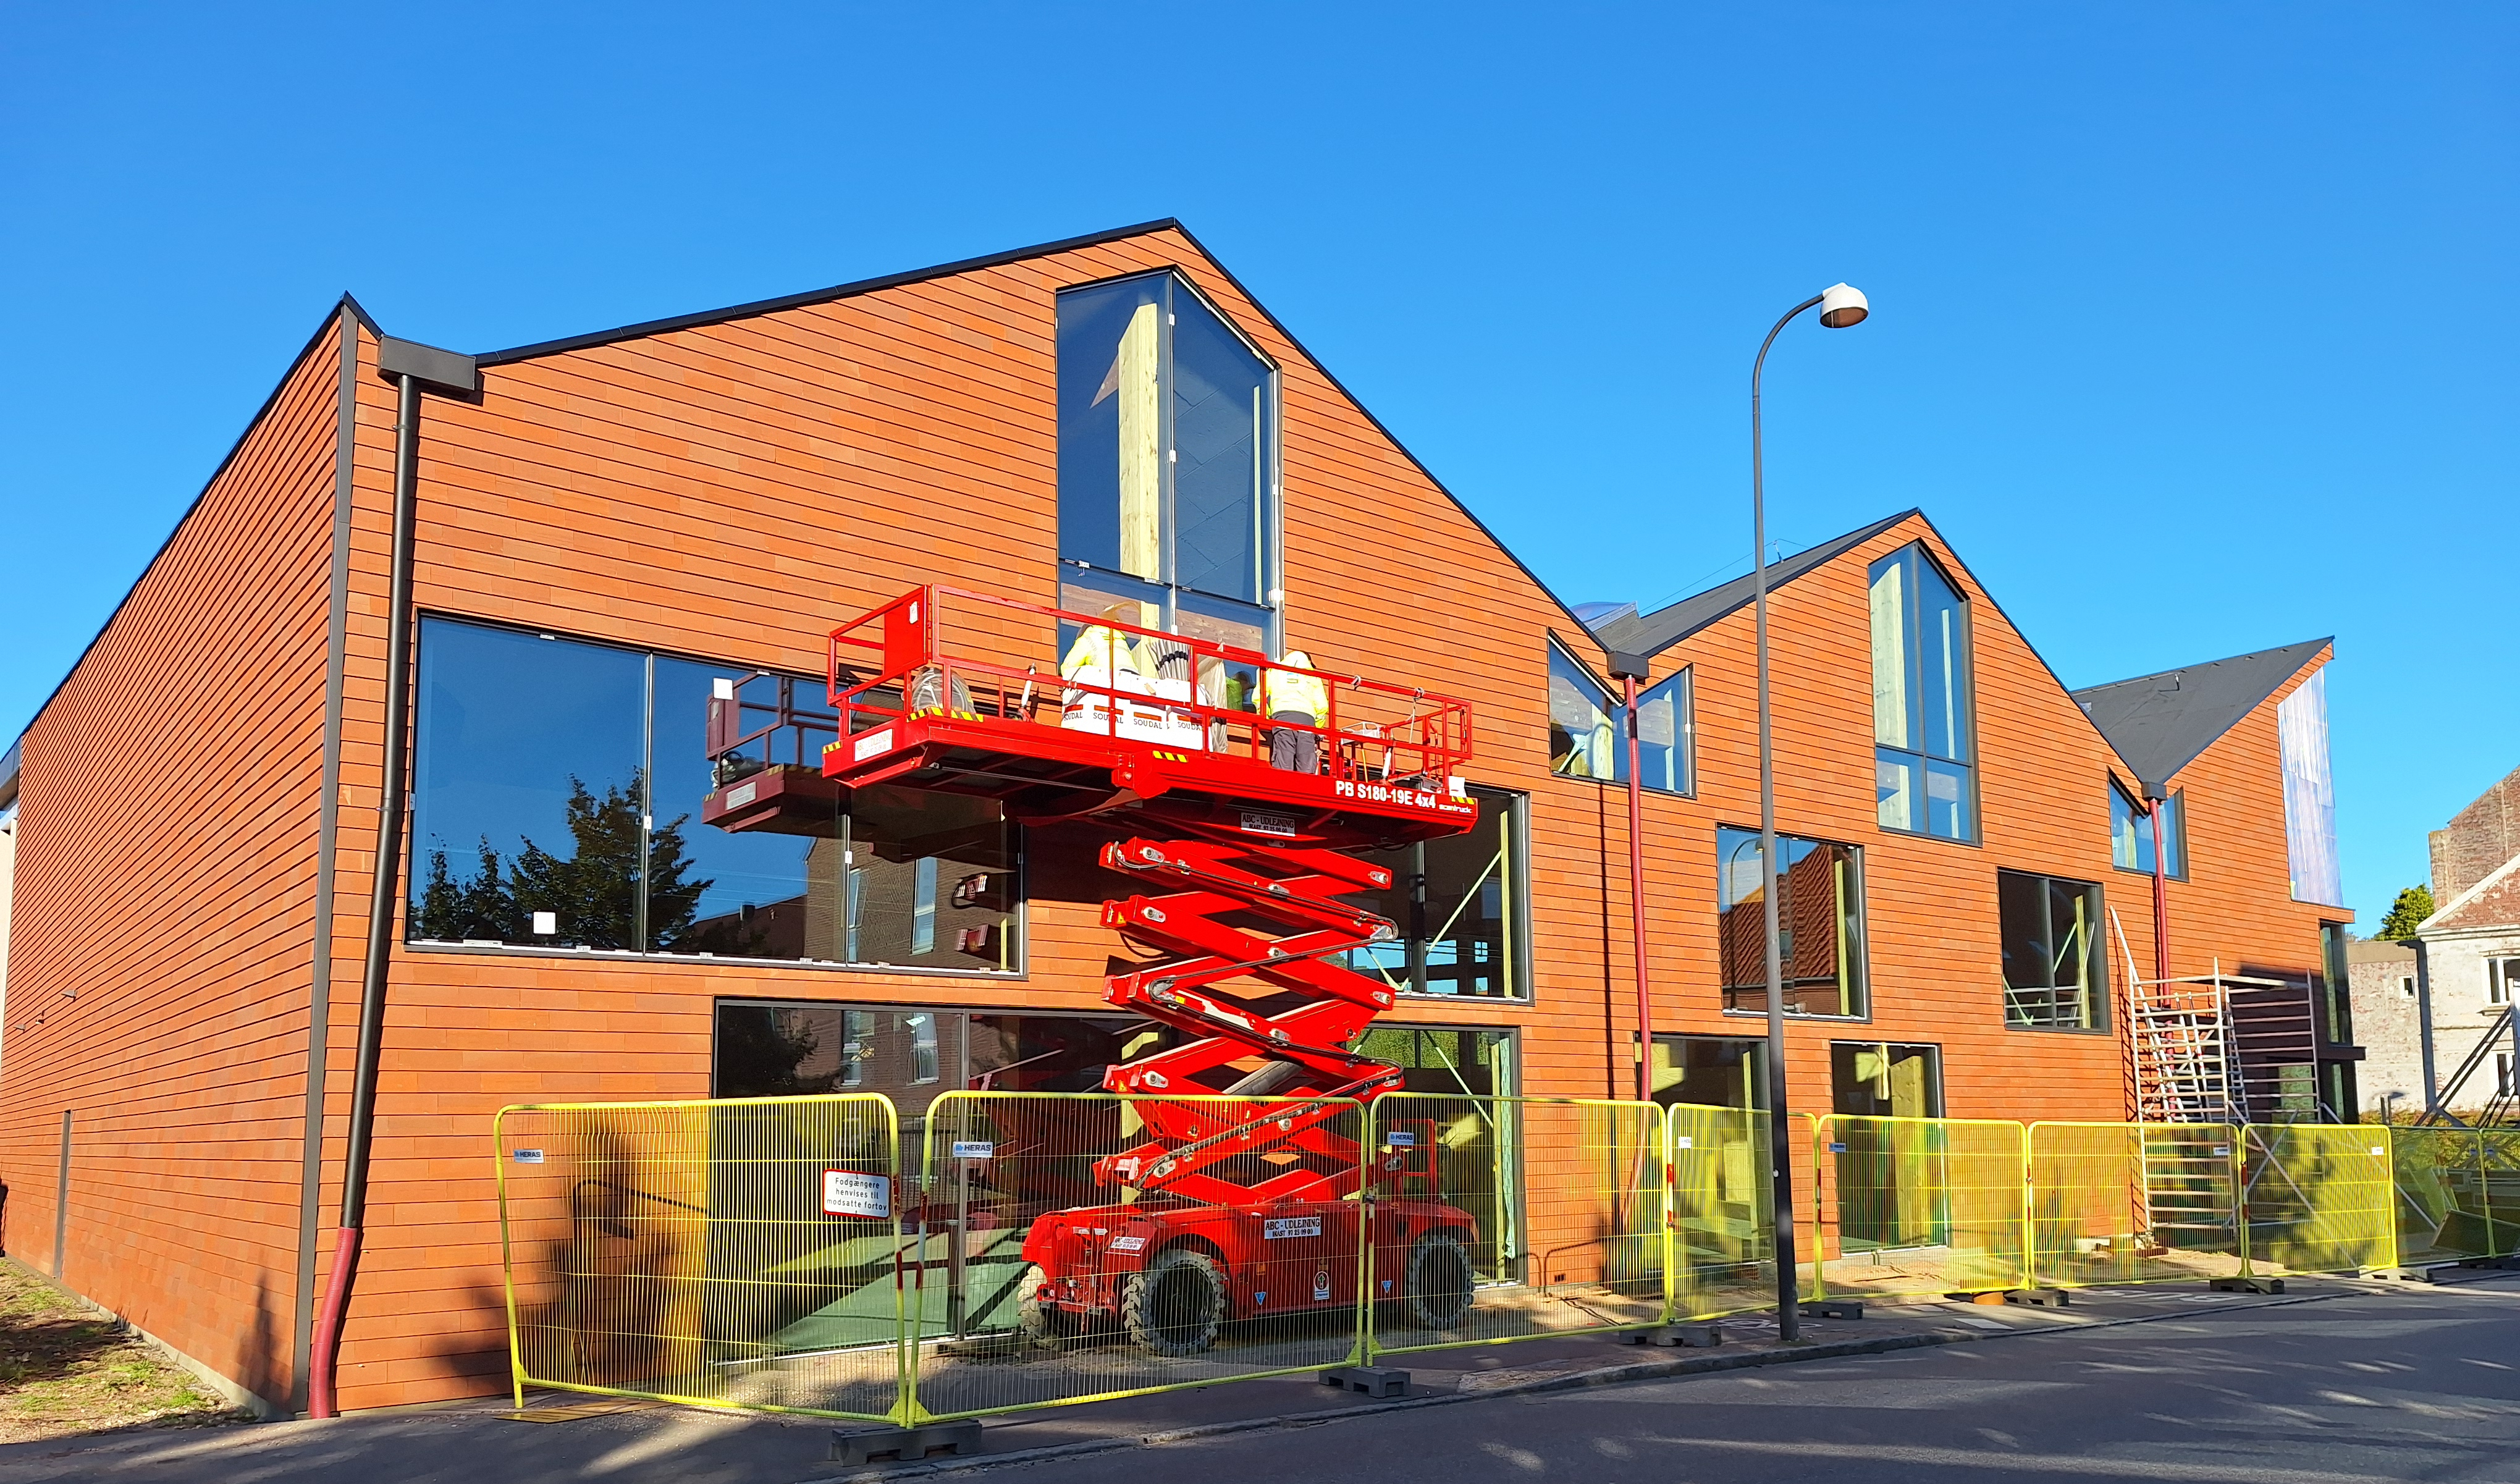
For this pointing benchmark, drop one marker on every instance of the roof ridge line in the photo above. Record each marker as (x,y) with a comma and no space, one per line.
(2199,664)
(696,319)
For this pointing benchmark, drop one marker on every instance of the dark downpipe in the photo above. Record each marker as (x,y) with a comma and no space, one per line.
(414,368)
(1780,1136)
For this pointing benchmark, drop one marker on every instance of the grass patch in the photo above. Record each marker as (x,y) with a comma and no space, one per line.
(67,1370)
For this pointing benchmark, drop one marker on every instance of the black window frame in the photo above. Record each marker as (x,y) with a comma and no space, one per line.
(1917,555)
(1018,909)
(2095,955)
(1609,707)
(2174,811)
(1856,954)
(1165,592)
(1613,707)
(1415,916)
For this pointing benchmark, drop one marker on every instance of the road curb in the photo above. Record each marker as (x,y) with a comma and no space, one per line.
(1575,1380)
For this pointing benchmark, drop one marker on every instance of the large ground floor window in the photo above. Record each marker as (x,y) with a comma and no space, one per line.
(787,1048)
(1717,1071)
(1874,1079)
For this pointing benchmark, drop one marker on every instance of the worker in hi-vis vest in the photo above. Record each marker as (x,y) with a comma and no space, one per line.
(1300,699)
(1103,659)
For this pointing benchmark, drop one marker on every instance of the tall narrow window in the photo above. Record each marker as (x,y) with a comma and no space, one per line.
(1921,723)
(2336,985)
(1664,736)
(1820,925)
(1166,473)
(2055,958)
(2131,843)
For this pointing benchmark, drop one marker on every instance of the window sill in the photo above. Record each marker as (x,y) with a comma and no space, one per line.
(687,961)
(1621,784)
(1796,1016)
(1971,841)
(2167,876)
(2101,1031)
(1412,997)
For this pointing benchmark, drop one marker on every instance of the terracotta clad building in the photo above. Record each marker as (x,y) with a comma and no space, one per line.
(613,533)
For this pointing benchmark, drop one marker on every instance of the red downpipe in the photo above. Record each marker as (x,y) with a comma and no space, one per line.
(320,1399)
(2160,896)
(1636,897)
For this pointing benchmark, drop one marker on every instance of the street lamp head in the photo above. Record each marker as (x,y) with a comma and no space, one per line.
(1841,305)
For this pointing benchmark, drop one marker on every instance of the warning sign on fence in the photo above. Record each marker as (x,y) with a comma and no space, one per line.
(847,1193)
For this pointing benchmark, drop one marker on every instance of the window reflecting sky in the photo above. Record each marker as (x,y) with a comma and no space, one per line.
(504,720)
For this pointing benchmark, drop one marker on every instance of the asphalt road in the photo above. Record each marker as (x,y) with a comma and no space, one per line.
(2419,1386)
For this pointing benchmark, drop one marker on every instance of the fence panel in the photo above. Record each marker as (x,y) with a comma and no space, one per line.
(1919,1205)
(1514,1217)
(732,1252)
(2133,1202)
(2500,1148)
(1076,1246)
(2444,1194)
(2317,1198)
(1723,1207)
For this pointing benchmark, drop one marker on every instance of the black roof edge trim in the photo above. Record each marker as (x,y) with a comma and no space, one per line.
(439,369)
(1018,255)
(343,305)
(1416,463)
(1853,538)
(1878,528)
(2058,681)
(757,307)
(2328,642)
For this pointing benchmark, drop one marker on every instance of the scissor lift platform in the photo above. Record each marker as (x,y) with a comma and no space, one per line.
(925,699)
(1249,829)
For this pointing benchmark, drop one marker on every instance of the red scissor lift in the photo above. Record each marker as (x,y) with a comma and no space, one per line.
(1144,740)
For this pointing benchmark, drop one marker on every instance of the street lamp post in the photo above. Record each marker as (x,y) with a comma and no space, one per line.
(1841,306)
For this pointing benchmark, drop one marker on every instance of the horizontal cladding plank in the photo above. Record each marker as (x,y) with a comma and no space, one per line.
(611,426)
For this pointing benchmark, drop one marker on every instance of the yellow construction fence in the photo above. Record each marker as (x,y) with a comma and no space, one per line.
(1016,1250)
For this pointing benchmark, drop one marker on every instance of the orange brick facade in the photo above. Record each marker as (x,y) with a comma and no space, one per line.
(729,491)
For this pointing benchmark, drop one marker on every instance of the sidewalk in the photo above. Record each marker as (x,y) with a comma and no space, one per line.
(637,1443)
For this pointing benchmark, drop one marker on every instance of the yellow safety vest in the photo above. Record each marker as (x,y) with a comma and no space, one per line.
(1106,649)
(1294,691)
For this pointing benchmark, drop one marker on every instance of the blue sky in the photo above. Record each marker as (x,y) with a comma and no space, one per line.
(2185,317)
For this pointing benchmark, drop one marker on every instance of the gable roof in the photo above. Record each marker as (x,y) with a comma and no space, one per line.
(849,289)
(1649,634)
(2161,723)
(487,359)
(2492,903)
(11,761)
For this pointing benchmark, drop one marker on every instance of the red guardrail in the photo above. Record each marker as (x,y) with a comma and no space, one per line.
(925,654)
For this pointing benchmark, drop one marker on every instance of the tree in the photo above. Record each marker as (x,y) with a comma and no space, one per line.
(2412,905)
(758,1052)
(479,907)
(592,892)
